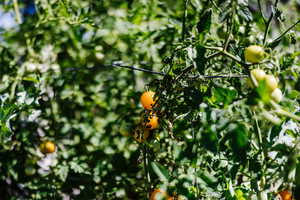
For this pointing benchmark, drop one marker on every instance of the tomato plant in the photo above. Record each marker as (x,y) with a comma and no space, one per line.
(118,99)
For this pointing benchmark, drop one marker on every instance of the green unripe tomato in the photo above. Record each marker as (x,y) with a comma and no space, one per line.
(277,95)
(271,82)
(30,170)
(258,74)
(254,54)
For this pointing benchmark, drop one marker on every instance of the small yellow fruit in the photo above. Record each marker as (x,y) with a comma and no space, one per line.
(258,74)
(271,82)
(152,122)
(47,147)
(147,100)
(254,54)
(277,95)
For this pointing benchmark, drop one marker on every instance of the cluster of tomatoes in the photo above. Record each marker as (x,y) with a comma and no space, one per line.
(271,83)
(255,54)
(149,120)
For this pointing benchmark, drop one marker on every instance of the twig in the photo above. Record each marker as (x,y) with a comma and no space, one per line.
(226,53)
(278,110)
(230,28)
(263,155)
(267,28)
(261,12)
(136,68)
(219,76)
(184,20)
(145,159)
(213,55)
(17,11)
(268,23)
(286,31)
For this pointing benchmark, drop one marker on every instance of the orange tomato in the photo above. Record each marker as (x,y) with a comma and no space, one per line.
(147,100)
(159,194)
(152,122)
(286,195)
(47,147)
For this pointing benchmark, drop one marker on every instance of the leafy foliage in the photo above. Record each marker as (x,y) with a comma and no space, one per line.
(72,72)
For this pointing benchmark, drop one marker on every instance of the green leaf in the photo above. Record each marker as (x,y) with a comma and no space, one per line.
(274,44)
(160,171)
(223,96)
(200,59)
(62,172)
(205,21)
(209,179)
(245,13)
(240,138)
(78,168)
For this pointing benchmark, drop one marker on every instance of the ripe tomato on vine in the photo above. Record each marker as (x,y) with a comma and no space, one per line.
(147,100)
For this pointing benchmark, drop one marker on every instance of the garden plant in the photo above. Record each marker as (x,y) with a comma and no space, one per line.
(149,99)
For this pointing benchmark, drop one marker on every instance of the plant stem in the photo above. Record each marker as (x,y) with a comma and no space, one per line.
(230,28)
(18,78)
(17,12)
(263,156)
(267,28)
(137,69)
(184,20)
(286,31)
(260,9)
(280,111)
(145,160)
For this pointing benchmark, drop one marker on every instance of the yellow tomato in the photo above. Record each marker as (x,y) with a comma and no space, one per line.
(254,54)
(258,74)
(147,100)
(277,95)
(152,122)
(271,82)
(47,147)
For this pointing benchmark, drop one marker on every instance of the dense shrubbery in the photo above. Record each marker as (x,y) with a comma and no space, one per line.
(73,71)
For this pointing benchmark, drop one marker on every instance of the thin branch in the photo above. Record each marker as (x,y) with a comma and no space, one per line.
(136,68)
(230,28)
(260,9)
(215,5)
(226,53)
(268,23)
(213,55)
(145,160)
(184,19)
(267,28)
(219,76)
(286,31)
(17,11)
(278,110)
